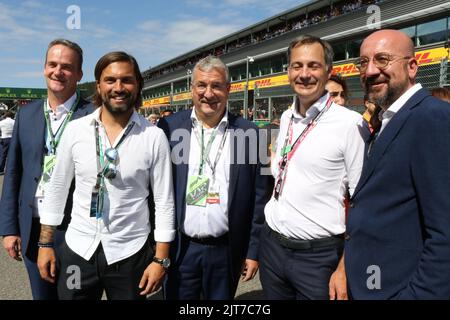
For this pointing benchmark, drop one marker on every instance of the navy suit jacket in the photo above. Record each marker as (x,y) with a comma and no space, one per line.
(24,169)
(247,195)
(399,218)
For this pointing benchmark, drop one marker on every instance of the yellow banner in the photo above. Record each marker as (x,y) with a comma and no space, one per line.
(261,83)
(182,96)
(156,101)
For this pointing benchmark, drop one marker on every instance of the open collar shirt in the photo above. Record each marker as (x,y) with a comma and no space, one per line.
(327,163)
(387,115)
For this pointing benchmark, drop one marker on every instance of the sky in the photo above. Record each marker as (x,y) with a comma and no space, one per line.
(153,31)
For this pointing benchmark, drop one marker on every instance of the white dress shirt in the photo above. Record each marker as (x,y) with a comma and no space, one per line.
(144,158)
(211,220)
(327,162)
(6,128)
(387,115)
(57,118)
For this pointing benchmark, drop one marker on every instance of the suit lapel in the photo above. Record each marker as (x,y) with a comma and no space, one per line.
(40,126)
(183,168)
(387,136)
(82,109)
(237,149)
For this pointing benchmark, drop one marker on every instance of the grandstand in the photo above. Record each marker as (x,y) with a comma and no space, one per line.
(256,55)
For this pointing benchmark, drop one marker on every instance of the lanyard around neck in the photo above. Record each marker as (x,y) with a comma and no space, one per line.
(289,148)
(204,153)
(56,137)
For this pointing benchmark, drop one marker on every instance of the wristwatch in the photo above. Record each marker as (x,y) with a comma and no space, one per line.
(164,262)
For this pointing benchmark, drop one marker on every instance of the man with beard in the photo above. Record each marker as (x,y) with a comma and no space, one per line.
(34,145)
(117,157)
(398,231)
(319,158)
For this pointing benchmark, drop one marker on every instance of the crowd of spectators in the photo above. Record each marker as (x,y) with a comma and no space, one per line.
(305,20)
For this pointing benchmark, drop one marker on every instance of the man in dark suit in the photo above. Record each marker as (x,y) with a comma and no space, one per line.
(220,192)
(37,131)
(398,232)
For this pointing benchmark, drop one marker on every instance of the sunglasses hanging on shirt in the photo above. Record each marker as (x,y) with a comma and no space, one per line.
(106,168)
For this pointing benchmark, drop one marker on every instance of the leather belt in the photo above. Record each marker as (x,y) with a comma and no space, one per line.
(306,244)
(208,241)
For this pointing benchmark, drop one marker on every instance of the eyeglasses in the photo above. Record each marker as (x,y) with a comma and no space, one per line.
(381,60)
(110,169)
(215,87)
(336,94)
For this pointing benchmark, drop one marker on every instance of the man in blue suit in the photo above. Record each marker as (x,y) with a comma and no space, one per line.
(220,191)
(398,232)
(37,131)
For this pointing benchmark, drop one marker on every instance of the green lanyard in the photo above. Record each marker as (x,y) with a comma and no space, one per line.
(55,138)
(204,154)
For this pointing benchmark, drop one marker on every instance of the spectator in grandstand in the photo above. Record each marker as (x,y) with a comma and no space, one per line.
(153,118)
(337,89)
(34,144)
(6,129)
(166,113)
(108,236)
(250,113)
(441,93)
(220,196)
(398,229)
(371,115)
(303,240)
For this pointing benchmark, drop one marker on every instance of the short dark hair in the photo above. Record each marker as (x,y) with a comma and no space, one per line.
(341,81)
(308,39)
(441,93)
(8,114)
(72,45)
(117,56)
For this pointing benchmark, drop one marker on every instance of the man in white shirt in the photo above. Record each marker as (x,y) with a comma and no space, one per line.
(398,229)
(319,158)
(117,157)
(6,129)
(38,128)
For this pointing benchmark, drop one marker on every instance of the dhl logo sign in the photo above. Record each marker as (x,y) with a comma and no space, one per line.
(261,83)
(182,96)
(424,58)
(156,101)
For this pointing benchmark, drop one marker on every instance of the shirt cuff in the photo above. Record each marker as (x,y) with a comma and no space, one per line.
(50,219)
(164,235)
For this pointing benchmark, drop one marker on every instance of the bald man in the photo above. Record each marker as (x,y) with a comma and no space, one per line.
(398,232)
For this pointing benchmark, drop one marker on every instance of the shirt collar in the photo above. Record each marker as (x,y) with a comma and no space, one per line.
(95,117)
(223,122)
(400,102)
(313,110)
(65,107)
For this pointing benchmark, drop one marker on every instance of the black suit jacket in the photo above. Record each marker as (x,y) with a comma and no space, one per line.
(399,220)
